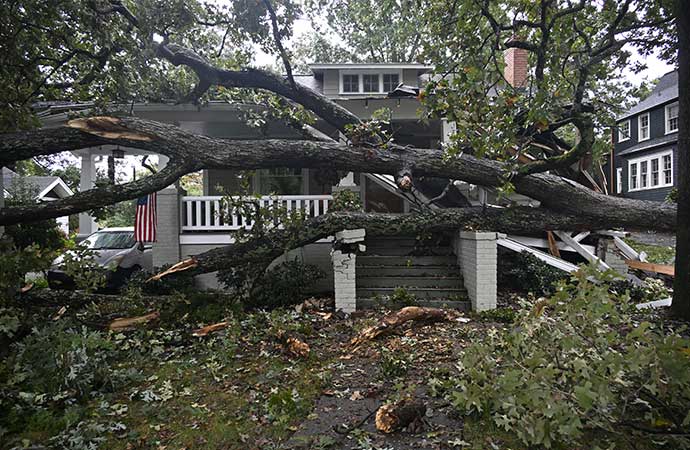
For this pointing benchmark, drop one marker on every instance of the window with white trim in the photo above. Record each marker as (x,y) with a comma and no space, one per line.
(350,83)
(650,172)
(390,81)
(643,174)
(368,81)
(624,131)
(671,113)
(633,177)
(619,180)
(643,127)
(668,169)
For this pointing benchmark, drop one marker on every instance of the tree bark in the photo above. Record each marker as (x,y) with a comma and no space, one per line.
(260,251)
(680,306)
(396,319)
(189,152)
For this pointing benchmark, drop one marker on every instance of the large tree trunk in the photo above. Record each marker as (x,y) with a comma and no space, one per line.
(260,251)
(681,283)
(190,152)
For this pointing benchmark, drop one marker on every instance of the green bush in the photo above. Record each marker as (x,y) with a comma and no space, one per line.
(346,200)
(583,360)
(285,284)
(525,272)
(56,361)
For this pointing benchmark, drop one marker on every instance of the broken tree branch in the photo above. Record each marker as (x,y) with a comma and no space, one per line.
(394,320)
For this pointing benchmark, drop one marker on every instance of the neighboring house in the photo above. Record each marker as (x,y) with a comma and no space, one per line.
(644,152)
(45,189)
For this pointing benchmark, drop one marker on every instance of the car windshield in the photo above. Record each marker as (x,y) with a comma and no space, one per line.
(110,239)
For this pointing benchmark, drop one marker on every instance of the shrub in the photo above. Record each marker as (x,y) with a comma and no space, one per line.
(525,272)
(285,284)
(346,200)
(55,360)
(581,360)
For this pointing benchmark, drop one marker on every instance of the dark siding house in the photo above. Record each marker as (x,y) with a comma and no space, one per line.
(643,162)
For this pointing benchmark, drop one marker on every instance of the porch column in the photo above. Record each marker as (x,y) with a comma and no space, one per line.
(2,199)
(166,249)
(344,258)
(477,257)
(162,161)
(87,225)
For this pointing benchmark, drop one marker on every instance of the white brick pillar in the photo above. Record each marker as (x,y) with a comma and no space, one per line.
(344,258)
(166,249)
(477,257)
(87,224)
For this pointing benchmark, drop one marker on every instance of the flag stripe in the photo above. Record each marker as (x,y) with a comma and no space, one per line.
(145,221)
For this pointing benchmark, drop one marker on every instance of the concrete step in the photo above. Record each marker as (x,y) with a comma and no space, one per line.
(438,260)
(420,293)
(369,303)
(366,281)
(410,271)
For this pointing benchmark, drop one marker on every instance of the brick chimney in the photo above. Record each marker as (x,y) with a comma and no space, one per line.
(516,66)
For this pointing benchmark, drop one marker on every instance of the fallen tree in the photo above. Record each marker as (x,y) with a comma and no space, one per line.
(190,152)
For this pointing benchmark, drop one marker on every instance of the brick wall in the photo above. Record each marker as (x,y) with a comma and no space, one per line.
(516,66)
(477,257)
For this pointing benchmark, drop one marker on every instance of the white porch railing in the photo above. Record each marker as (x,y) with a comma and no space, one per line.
(206,214)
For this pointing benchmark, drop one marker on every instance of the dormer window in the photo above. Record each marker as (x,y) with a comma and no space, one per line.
(672,118)
(390,81)
(624,131)
(368,81)
(350,83)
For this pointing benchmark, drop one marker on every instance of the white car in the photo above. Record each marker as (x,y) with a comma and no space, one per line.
(114,249)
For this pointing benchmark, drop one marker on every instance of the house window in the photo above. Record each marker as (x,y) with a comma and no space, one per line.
(390,81)
(619,180)
(672,118)
(643,174)
(624,131)
(650,172)
(370,82)
(350,83)
(633,176)
(280,181)
(655,172)
(668,170)
(643,127)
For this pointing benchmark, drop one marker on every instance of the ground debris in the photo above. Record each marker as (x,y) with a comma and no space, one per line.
(393,320)
(123,323)
(203,331)
(407,413)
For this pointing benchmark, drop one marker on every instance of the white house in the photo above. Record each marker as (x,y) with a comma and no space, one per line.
(47,188)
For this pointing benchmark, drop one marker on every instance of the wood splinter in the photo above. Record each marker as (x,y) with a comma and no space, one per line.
(399,415)
(393,320)
(123,323)
(209,329)
(293,345)
(181,266)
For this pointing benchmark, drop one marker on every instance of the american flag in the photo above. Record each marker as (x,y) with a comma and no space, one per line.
(145,220)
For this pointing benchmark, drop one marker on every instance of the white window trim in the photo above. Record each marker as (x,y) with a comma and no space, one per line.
(639,127)
(621,136)
(649,158)
(666,108)
(619,180)
(379,72)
